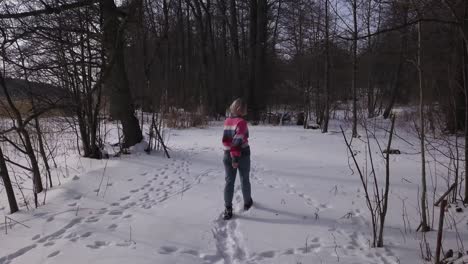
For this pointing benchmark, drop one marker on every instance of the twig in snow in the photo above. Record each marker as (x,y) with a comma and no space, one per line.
(336,247)
(130,238)
(102,178)
(183,188)
(403,235)
(21,191)
(461,246)
(445,194)
(348,215)
(12,220)
(107,183)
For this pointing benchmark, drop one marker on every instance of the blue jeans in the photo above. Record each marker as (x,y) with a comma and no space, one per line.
(244,171)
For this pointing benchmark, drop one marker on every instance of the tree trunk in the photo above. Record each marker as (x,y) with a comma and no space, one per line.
(370,87)
(21,130)
(252,54)
(203,33)
(355,68)
(260,63)
(326,116)
(213,71)
(402,58)
(121,105)
(235,45)
(7,183)
(465,84)
(42,150)
(383,213)
(424,223)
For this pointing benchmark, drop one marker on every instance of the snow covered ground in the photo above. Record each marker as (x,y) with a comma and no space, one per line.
(309,206)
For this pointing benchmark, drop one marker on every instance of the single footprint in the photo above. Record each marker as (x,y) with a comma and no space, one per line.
(87,234)
(124,198)
(167,250)
(71,235)
(36,237)
(53,254)
(40,214)
(267,254)
(112,227)
(146,206)
(190,252)
(124,244)
(98,244)
(92,219)
(115,212)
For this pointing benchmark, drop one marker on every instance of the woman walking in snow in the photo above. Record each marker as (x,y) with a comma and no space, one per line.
(236,156)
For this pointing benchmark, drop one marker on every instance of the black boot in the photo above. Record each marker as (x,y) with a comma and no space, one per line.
(248,205)
(227,213)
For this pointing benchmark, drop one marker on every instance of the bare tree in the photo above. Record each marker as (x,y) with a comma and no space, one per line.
(326,116)
(7,184)
(121,105)
(20,128)
(376,202)
(424,209)
(355,66)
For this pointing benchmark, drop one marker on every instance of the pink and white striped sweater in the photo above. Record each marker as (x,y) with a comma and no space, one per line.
(235,137)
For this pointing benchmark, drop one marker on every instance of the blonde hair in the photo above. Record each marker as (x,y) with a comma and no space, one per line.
(238,107)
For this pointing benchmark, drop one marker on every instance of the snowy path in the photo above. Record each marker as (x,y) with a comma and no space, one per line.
(308,208)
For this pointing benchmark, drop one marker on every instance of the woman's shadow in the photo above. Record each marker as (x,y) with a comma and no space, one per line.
(281,216)
(284,217)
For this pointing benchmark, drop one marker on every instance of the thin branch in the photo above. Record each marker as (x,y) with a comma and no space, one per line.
(49,10)
(402,26)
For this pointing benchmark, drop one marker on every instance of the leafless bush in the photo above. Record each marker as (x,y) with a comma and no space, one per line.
(376,198)
(182,119)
